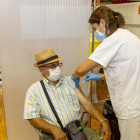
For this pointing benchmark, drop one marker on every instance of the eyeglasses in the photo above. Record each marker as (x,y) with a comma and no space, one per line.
(52,66)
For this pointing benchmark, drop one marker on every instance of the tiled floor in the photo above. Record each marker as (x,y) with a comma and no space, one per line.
(2,124)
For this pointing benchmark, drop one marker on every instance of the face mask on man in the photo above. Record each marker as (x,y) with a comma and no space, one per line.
(55,74)
(100,36)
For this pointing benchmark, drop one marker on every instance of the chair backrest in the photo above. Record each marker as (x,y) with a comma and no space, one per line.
(40,134)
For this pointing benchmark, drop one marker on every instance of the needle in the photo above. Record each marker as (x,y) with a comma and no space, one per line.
(82,82)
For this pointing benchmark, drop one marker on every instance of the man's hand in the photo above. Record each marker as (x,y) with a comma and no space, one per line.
(44,126)
(95,113)
(105,132)
(58,134)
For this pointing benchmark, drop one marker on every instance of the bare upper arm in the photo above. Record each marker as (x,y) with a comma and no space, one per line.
(82,98)
(85,68)
(34,120)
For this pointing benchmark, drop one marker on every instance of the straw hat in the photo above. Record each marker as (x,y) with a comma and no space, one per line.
(45,57)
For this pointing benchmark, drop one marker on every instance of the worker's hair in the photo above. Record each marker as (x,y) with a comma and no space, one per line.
(113,20)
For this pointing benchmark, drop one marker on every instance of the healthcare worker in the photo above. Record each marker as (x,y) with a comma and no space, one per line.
(119,54)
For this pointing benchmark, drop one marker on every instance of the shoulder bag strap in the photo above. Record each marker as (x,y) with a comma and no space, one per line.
(51,105)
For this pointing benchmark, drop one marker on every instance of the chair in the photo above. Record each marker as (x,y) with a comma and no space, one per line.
(40,134)
(99,127)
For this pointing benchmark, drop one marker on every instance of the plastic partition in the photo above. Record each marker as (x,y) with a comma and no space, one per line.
(27,27)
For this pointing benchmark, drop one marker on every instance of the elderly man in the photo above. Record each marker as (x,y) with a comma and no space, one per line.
(65,99)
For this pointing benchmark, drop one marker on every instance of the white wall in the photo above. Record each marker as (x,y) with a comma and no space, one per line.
(134,29)
(130,12)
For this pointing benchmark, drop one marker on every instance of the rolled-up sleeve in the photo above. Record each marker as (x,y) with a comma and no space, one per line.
(31,105)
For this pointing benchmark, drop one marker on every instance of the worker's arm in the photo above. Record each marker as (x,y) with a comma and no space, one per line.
(85,68)
(95,77)
(48,128)
(94,112)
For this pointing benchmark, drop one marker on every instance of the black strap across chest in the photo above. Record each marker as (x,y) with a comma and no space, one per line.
(51,105)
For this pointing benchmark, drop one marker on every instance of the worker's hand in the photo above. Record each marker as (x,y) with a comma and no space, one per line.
(76,81)
(58,134)
(105,132)
(92,76)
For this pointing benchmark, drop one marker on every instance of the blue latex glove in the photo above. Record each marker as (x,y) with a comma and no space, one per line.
(92,76)
(76,81)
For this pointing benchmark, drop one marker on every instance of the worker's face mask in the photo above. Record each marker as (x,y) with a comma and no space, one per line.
(99,35)
(55,74)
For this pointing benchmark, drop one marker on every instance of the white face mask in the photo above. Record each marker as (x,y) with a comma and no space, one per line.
(100,36)
(55,74)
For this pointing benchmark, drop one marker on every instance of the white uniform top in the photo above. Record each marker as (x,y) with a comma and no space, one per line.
(119,54)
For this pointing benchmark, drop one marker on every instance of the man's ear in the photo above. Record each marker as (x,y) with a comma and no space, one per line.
(41,69)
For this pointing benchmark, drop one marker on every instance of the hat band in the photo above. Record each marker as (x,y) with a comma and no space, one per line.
(47,60)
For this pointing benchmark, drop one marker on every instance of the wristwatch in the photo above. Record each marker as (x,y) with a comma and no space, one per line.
(103,120)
